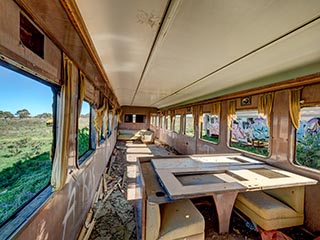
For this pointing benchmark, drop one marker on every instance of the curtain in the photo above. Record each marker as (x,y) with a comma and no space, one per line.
(294,106)
(106,119)
(60,161)
(119,114)
(81,91)
(231,104)
(99,117)
(200,117)
(265,103)
(215,108)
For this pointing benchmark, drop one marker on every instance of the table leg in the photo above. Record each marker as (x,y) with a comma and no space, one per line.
(224,204)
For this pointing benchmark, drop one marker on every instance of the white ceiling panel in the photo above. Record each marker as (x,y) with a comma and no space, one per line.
(123,33)
(208,45)
(287,54)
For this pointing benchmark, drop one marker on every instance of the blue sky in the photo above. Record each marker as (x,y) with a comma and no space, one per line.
(18,92)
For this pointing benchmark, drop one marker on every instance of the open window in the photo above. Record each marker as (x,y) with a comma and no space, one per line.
(250,133)
(210,128)
(177,123)
(308,138)
(168,120)
(27,126)
(85,140)
(189,125)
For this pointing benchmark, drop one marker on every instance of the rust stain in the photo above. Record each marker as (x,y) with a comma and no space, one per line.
(149,19)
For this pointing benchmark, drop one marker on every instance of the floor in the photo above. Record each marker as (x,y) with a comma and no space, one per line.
(115,219)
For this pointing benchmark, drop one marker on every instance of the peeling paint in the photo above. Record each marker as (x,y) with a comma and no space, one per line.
(149,19)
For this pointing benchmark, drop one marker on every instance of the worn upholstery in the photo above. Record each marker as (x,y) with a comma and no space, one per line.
(145,136)
(273,209)
(176,220)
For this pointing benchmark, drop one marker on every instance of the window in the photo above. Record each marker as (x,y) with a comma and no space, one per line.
(176,123)
(168,118)
(250,133)
(189,125)
(26,140)
(210,128)
(128,118)
(110,119)
(31,37)
(84,132)
(163,119)
(134,118)
(308,138)
(140,118)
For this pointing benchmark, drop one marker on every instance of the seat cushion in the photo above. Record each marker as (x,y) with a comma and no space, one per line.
(180,219)
(266,206)
(267,212)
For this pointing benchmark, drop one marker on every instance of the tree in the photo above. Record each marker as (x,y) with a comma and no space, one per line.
(23,113)
(44,115)
(6,114)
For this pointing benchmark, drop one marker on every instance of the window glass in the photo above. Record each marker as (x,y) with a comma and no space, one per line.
(189,125)
(26,139)
(163,119)
(140,118)
(84,129)
(250,133)
(210,127)
(177,123)
(308,138)
(157,120)
(128,118)
(168,122)
(110,118)
(152,120)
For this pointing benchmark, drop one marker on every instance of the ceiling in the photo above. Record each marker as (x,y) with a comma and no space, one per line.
(159,53)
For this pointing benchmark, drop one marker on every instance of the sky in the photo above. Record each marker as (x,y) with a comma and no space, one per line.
(21,92)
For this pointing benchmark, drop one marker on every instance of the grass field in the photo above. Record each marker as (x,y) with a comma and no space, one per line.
(25,164)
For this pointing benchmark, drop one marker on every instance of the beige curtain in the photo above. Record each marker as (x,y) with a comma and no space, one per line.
(119,114)
(113,115)
(81,91)
(231,104)
(215,108)
(294,106)
(99,117)
(200,114)
(60,161)
(265,103)
(106,119)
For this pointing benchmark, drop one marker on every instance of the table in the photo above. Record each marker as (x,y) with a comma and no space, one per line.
(221,176)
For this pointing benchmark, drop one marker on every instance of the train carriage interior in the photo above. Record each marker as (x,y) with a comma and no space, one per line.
(159,119)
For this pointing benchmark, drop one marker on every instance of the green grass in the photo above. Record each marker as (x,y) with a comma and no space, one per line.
(210,139)
(264,151)
(25,164)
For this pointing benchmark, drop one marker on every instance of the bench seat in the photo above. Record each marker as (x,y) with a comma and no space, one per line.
(176,220)
(146,136)
(273,209)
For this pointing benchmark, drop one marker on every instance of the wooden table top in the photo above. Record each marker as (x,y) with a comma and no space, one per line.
(193,176)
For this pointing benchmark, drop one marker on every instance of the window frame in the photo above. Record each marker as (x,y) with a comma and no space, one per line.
(168,125)
(185,125)
(245,151)
(21,215)
(92,146)
(295,141)
(174,123)
(202,125)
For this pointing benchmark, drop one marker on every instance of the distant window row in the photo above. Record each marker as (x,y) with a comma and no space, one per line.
(250,132)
